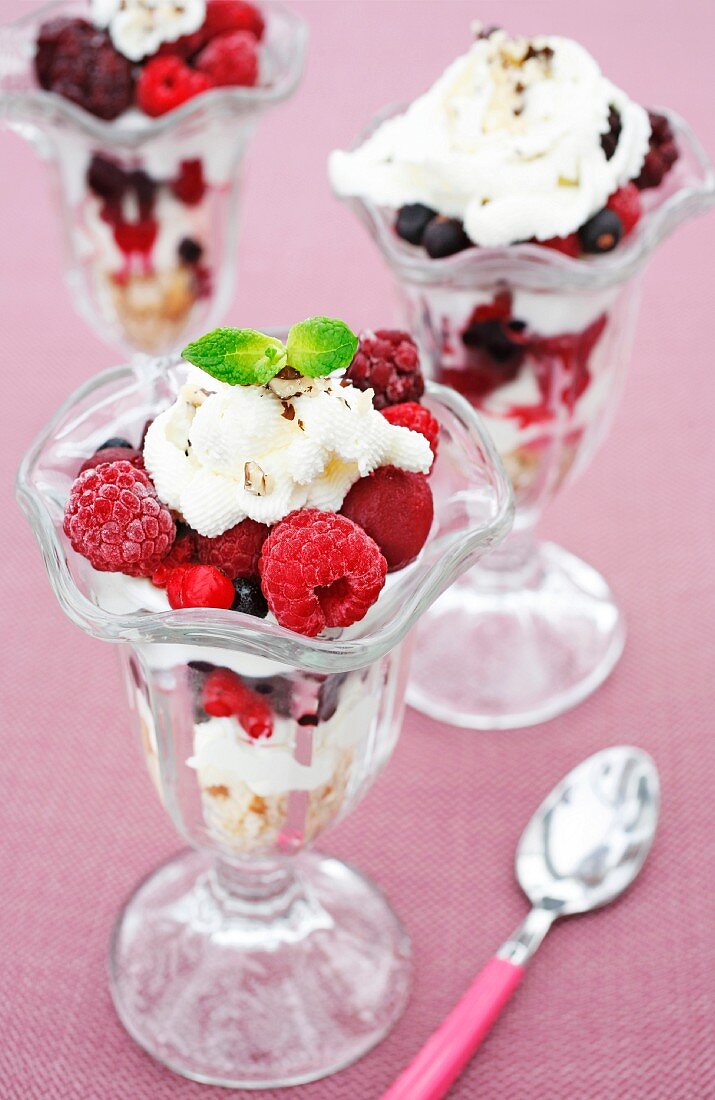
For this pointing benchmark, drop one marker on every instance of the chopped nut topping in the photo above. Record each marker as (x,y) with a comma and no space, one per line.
(255,481)
(218,791)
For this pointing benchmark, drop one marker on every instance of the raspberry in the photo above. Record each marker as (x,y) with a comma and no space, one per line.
(113,454)
(230,59)
(570,246)
(319,569)
(114,519)
(78,61)
(387,361)
(183,552)
(417,418)
(189,186)
(134,237)
(199,586)
(236,551)
(626,202)
(166,83)
(225,695)
(232,15)
(395,508)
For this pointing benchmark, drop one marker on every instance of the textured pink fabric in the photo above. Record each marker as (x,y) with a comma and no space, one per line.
(616,1005)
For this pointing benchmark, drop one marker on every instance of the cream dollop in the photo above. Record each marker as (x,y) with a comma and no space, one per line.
(245,451)
(508,139)
(139,27)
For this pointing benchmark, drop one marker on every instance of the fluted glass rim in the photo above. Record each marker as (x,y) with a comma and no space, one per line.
(532,264)
(218,628)
(40,105)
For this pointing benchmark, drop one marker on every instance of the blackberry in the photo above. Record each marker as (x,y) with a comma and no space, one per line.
(494,338)
(444,237)
(662,154)
(144,188)
(107,179)
(78,61)
(387,361)
(412,220)
(190,251)
(249,598)
(609,140)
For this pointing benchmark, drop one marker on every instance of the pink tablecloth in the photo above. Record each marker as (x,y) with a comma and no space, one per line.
(619,1004)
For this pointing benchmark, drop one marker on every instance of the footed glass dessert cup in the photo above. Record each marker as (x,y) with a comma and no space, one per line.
(539,343)
(149,206)
(251,960)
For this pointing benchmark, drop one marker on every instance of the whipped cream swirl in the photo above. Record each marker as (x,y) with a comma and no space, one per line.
(508,139)
(139,27)
(264,451)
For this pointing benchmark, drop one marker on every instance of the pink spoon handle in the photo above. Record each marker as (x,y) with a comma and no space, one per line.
(447,1051)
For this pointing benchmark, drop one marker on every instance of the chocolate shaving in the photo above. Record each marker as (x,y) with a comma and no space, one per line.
(288,410)
(289,373)
(301,425)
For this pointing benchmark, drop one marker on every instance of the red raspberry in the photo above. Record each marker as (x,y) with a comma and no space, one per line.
(135,236)
(388,362)
(236,551)
(78,61)
(114,519)
(199,586)
(417,418)
(223,16)
(225,695)
(166,83)
(319,569)
(230,59)
(183,552)
(189,186)
(113,454)
(396,509)
(570,246)
(626,202)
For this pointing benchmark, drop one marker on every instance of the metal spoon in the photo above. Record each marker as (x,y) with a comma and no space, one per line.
(584,845)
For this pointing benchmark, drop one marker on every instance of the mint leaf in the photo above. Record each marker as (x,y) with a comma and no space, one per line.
(239,356)
(320,345)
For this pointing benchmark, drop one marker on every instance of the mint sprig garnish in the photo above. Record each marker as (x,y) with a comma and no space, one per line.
(321,345)
(244,357)
(239,356)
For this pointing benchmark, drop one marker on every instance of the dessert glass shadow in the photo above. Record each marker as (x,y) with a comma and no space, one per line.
(539,342)
(250,960)
(149,206)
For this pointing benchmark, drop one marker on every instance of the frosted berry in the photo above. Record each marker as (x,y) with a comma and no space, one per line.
(230,59)
(412,220)
(199,586)
(78,61)
(183,552)
(417,418)
(167,82)
(387,361)
(232,15)
(114,519)
(395,508)
(320,570)
(225,695)
(626,203)
(117,453)
(236,551)
(249,598)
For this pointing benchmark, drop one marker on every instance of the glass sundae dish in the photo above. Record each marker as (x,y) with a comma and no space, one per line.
(260,559)
(144,111)
(517,203)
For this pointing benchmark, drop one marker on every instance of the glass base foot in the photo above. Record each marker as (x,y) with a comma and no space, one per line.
(505,648)
(263,994)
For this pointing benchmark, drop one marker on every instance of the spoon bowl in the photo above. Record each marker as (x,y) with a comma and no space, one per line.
(590,837)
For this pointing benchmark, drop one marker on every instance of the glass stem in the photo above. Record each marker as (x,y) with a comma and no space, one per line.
(264,893)
(513,565)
